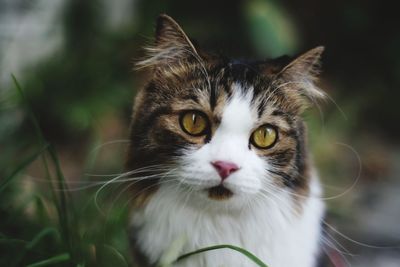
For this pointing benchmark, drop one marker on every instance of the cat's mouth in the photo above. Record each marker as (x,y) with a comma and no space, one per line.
(219,192)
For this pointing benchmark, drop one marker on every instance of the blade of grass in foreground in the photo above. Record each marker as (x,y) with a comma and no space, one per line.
(238,249)
(45,232)
(52,260)
(59,196)
(30,245)
(22,166)
(65,212)
(29,110)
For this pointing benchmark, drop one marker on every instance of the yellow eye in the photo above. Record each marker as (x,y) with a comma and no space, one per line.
(194,123)
(264,137)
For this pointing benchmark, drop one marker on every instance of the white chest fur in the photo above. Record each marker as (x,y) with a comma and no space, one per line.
(272,232)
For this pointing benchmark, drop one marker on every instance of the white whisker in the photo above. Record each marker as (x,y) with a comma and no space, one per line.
(358,242)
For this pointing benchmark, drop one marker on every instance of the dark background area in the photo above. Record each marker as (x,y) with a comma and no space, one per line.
(74,60)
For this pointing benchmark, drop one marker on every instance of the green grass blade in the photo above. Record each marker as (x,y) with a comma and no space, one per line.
(64,214)
(53,260)
(107,255)
(38,131)
(59,195)
(22,166)
(238,249)
(29,110)
(30,245)
(41,235)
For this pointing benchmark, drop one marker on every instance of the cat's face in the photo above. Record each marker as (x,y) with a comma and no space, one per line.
(239,158)
(221,131)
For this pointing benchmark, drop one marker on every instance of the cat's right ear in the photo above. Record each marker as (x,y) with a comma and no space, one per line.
(171,45)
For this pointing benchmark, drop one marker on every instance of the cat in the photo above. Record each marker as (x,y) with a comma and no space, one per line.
(219,151)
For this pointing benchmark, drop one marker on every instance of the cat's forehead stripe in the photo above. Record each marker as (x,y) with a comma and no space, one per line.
(237,114)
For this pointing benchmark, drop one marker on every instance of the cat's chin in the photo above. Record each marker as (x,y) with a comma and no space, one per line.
(214,195)
(219,193)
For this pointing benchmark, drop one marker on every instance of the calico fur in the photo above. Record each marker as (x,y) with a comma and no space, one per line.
(275,211)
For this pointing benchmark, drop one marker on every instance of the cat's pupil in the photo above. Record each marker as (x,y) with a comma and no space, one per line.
(194,119)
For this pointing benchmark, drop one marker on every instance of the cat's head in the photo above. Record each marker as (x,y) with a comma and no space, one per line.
(220,130)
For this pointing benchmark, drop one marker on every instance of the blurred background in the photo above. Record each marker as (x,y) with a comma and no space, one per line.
(73,61)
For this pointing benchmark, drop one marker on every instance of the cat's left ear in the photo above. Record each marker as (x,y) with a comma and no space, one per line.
(302,73)
(171,46)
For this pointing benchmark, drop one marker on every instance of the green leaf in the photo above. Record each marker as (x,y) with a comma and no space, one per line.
(238,249)
(59,197)
(53,260)
(63,209)
(30,245)
(41,235)
(29,110)
(107,255)
(22,166)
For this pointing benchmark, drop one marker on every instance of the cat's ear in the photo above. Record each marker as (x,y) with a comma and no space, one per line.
(170,34)
(302,72)
(171,45)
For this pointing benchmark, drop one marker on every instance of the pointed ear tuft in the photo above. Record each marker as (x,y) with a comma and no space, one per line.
(168,32)
(171,45)
(304,71)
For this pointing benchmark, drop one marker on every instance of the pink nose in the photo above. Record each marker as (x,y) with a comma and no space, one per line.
(224,168)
